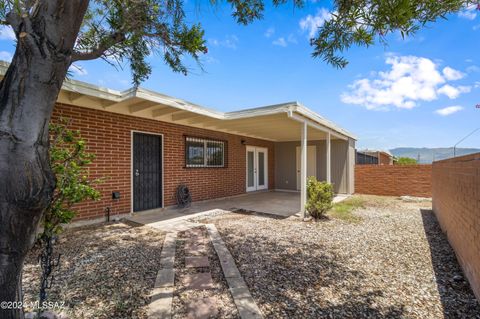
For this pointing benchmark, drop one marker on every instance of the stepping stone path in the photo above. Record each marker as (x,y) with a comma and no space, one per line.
(198,278)
(196,257)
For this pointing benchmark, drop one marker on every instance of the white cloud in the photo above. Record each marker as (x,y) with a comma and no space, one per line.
(292,39)
(270,31)
(469,12)
(453,92)
(476,27)
(280,42)
(410,79)
(312,23)
(452,74)
(229,42)
(5,56)
(6,33)
(472,69)
(78,70)
(283,42)
(449,110)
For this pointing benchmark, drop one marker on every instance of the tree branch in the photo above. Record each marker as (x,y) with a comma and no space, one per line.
(105,44)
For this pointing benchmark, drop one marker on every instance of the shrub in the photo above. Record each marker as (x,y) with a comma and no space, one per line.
(319,197)
(405,161)
(69,160)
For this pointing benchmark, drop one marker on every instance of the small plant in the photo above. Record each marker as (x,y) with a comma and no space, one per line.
(68,160)
(319,197)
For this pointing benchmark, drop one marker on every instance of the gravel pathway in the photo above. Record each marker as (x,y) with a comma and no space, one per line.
(394,263)
(107,271)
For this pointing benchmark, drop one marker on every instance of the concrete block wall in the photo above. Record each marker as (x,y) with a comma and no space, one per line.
(456,203)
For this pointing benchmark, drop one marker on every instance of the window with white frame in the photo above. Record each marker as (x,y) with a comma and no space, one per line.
(200,152)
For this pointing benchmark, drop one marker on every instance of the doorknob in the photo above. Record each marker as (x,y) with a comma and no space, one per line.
(137,173)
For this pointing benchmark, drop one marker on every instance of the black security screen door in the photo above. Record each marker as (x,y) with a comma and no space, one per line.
(147,171)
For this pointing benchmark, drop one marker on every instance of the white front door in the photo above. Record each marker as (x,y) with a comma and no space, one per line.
(311,162)
(257,168)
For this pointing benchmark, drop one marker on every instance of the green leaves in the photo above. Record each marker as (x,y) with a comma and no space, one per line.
(69,161)
(319,197)
(365,22)
(132,31)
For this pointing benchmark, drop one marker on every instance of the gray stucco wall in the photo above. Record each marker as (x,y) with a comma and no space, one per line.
(285,164)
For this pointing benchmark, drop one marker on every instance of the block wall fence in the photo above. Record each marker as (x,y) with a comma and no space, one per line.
(394,180)
(456,203)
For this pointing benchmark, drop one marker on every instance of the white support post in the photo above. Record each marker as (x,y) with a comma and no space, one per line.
(329,157)
(303,170)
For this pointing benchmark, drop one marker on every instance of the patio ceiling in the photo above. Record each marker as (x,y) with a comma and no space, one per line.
(275,123)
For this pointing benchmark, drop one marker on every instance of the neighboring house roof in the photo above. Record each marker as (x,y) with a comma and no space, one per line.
(374,152)
(274,122)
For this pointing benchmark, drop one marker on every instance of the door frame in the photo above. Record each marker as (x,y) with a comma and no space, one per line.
(132,132)
(255,150)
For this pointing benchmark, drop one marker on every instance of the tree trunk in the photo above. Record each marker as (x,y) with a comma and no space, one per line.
(28,94)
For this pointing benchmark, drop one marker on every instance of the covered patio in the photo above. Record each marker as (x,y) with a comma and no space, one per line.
(279,204)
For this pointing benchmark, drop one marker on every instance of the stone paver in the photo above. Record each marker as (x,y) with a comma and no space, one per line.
(196,262)
(160,306)
(198,281)
(202,308)
(199,308)
(196,250)
(165,278)
(246,306)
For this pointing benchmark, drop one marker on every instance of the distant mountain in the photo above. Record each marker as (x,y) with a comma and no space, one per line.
(427,155)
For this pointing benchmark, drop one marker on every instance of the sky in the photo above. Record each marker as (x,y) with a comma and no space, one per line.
(422,91)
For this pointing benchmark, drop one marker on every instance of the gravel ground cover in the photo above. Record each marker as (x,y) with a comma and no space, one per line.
(107,271)
(182,295)
(393,263)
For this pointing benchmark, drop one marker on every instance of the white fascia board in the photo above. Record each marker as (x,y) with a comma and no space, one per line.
(322,121)
(259,111)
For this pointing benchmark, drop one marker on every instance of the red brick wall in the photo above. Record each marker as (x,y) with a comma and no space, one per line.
(108,135)
(384,159)
(456,203)
(394,180)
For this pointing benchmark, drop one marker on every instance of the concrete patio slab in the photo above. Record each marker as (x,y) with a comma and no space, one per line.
(276,203)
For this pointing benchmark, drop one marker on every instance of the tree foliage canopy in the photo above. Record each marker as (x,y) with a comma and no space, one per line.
(365,22)
(121,31)
(405,161)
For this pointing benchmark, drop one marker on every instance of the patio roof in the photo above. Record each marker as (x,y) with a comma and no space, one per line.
(280,122)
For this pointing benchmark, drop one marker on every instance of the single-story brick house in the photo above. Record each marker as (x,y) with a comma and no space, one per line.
(147,144)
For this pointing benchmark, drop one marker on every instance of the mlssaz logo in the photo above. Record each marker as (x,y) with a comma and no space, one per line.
(477,106)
